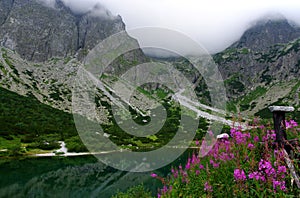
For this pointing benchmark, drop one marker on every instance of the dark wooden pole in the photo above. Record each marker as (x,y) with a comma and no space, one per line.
(279,122)
(279,126)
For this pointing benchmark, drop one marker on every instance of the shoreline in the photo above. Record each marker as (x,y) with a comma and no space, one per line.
(68,154)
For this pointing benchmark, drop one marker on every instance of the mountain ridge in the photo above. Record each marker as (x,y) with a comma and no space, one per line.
(45,64)
(266,33)
(38,32)
(266,55)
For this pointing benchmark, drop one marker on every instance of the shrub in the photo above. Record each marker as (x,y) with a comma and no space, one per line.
(134,192)
(248,164)
(74,144)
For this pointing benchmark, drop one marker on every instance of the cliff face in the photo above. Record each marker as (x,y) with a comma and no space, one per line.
(267,53)
(42,47)
(38,32)
(267,33)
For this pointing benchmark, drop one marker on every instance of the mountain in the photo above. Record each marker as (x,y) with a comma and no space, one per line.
(263,66)
(42,47)
(267,32)
(38,32)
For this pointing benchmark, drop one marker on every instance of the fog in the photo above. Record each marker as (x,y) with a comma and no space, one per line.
(214,24)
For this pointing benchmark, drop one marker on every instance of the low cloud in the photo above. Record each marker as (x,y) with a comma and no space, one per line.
(49,3)
(214,24)
(93,7)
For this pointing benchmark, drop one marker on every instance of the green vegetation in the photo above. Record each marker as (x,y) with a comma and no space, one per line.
(134,192)
(3,69)
(259,91)
(31,123)
(245,165)
(67,60)
(277,51)
(169,129)
(162,94)
(265,113)
(41,127)
(231,106)
(230,54)
(55,60)
(247,101)
(9,62)
(74,144)
(234,84)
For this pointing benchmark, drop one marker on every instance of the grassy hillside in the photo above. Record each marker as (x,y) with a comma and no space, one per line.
(20,115)
(25,122)
(26,125)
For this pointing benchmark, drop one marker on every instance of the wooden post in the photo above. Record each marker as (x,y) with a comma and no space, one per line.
(279,122)
(279,126)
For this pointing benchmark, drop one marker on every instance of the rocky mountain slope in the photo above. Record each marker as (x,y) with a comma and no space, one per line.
(38,32)
(43,46)
(263,67)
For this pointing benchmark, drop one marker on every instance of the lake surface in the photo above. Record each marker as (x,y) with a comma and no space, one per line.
(81,176)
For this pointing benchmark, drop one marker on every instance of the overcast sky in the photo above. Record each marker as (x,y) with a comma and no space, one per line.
(215,24)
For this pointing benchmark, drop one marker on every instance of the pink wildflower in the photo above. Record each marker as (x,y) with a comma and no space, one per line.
(239,175)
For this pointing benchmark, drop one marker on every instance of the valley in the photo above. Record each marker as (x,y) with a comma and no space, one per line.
(42,52)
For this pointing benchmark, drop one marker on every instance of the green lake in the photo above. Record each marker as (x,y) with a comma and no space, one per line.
(81,176)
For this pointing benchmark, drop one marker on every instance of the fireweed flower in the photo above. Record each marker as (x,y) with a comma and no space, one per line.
(255,121)
(207,187)
(175,173)
(267,172)
(214,164)
(165,189)
(153,175)
(266,166)
(239,175)
(280,184)
(281,169)
(291,124)
(270,136)
(188,166)
(239,137)
(279,154)
(257,176)
(251,146)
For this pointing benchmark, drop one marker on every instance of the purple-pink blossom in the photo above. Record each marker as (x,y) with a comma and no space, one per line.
(257,176)
(266,167)
(239,175)
(280,184)
(208,187)
(153,175)
(251,146)
(281,169)
(239,137)
(291,124)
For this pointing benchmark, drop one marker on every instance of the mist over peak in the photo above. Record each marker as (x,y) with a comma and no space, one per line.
(266,32)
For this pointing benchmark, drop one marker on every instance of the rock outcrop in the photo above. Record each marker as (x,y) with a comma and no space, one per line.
(38,32)
(267,53)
